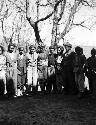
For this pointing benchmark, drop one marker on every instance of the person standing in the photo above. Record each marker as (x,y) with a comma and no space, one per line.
(42,67)
(32,74)
(21,68)
(59,79)
(2,72)
(79,62)
(90,70)
(51,80)
(67,70)
(12,70)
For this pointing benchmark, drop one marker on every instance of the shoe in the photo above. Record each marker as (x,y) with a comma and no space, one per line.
(15,96)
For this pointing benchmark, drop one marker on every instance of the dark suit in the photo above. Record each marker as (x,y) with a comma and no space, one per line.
(51,80)
(67,72)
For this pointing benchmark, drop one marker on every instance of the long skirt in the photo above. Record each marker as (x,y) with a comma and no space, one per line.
(12,75)
(2,81)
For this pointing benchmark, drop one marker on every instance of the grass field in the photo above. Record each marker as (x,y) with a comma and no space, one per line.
(50,109)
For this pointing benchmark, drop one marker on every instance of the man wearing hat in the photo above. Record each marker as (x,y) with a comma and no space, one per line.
(51,80)
(32,75)
(67,69)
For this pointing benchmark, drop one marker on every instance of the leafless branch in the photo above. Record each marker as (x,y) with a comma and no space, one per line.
(49,15)
(62,9)
(17,6)
(82,25)
(2,3)
(70,18)
(86,3)
(44,5)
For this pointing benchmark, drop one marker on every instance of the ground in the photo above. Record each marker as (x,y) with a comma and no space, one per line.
(50,109)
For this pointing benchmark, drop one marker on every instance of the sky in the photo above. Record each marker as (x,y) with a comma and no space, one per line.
(78,35)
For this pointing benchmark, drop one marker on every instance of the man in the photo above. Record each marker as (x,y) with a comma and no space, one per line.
(32,74)
(12,69)
(67,69)
(90,68)
(51,80)
(21,66)
(42,68)
(79,62)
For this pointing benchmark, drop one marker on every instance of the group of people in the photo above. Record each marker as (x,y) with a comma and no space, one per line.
(59,70)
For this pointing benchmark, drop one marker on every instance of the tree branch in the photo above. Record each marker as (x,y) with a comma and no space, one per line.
(82,25)
(86,3)
(2,3)
(62,9)
(44,5)
(70,18)
(17,6)
(49,15)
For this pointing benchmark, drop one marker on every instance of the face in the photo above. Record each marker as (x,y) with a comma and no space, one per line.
(21,50)
(58,50)
(32,50)
(67,48)
(51,50)
(1,51)
(11,48)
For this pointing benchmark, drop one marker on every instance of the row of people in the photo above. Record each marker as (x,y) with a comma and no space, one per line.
(24,71)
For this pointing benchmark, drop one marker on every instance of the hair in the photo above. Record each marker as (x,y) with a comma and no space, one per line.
(20,48)
(61,49)
(2,48)
(93,51)
(30,47)
(78,50)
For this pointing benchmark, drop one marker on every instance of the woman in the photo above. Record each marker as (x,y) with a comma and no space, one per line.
(59,79)
(12,70)
(2,71)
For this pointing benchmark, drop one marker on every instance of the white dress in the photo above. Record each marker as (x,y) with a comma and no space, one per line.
(12,68)
(3,69)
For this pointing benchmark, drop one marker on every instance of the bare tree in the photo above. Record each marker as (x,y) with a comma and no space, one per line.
(35,24)
(59,12)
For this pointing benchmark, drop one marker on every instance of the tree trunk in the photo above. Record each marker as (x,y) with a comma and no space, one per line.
(37,35)
(54,30)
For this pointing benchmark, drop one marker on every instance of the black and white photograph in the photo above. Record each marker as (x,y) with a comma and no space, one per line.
(47,62)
